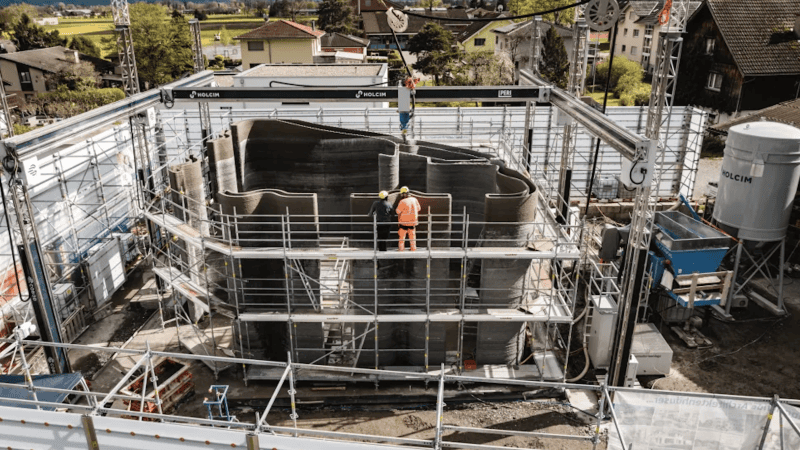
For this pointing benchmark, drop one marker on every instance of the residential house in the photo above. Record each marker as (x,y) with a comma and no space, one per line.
(281,41)
(514,41)
(78,12)
(638,31)
(787,112)
(26,72)
(344,47)
(46,21)
(380,36)
(738,58)
(478,36)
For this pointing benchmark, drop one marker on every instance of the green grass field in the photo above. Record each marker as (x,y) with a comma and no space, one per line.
(598,95)
(98,28)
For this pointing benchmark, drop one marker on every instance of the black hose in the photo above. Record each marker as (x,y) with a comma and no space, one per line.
(11,236)
(605,104)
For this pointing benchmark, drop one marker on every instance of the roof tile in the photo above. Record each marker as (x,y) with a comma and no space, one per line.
(760,36)
(282,29)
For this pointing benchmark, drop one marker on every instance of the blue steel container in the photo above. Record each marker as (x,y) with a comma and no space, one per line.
(689,245)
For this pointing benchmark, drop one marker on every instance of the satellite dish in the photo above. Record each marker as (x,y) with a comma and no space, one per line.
(398,21)
(601,15)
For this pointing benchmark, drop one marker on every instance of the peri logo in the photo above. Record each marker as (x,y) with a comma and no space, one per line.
(359,94)
(33,169)
(193,94)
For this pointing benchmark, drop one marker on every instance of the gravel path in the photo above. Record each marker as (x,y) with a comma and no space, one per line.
(707,170)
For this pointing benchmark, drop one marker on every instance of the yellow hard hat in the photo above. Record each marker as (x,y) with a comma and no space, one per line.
(404,190)
(383,194)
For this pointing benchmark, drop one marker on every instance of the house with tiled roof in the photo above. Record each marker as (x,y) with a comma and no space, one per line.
(345,44)
(281,41)
(638,33)
(740,57)
(786,112)
(25,73)
(513,41)
(478,36)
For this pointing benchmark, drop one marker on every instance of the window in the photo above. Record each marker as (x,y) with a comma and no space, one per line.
(711,45)
(714,81)
(623,48)
(635,33)
(625,32)
(480,42)
(255,46)
(496,40)
(25,77)
(633,50)
(630,15)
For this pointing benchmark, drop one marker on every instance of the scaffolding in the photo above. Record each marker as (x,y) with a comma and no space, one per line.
(336,299)
(97,420)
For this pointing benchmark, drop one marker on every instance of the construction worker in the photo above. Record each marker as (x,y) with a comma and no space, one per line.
(408,219)
(382,210)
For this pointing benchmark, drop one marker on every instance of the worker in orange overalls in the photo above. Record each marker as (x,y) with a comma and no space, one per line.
(408,219)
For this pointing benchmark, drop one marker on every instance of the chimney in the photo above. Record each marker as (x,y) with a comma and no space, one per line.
(266,17)
(72,56)
(797,26)
(314,25)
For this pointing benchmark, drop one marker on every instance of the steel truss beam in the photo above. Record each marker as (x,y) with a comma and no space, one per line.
(630,145)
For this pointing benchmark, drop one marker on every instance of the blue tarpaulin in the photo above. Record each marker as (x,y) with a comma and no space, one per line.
(63,381)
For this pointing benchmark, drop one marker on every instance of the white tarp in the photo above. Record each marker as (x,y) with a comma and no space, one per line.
(650,420)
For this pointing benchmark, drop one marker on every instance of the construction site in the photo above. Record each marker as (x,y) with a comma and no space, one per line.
(182,271)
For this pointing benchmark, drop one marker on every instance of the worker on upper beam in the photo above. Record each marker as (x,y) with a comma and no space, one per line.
(382,210)
(408,219)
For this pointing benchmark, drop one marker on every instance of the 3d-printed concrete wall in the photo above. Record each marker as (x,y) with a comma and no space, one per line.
(313,172)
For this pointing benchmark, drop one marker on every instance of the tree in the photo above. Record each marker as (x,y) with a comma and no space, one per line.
(284,8)
(11,15)
(200,15)
(567,16)
(435,50)
(28,35)
(554,64)
(85,45)
(225,37)
(622,66)
(483,69)
(163,45)
(336,16)
(74,77)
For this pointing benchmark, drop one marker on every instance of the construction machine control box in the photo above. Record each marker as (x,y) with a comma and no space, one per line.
(651,350)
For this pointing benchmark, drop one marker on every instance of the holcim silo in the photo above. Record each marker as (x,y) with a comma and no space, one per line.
(758,182)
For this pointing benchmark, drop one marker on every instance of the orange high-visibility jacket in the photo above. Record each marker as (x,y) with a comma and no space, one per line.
(407,212)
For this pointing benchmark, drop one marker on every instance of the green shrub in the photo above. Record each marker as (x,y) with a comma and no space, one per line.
(622,66)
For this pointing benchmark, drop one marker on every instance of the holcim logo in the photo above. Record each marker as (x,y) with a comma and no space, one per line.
(368,94)
(737,177)
(196,94)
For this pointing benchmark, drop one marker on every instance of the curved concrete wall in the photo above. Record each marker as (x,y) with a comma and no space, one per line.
(222,165)
(266,166)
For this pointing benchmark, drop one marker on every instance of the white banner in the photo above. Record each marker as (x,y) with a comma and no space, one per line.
(652,421)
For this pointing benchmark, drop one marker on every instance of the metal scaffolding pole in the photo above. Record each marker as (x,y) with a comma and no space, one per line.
(576,83)
(127,59)
(636,287)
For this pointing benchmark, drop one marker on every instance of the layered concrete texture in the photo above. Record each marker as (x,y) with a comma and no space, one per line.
(326,179)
